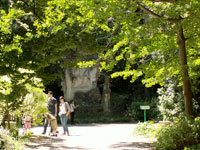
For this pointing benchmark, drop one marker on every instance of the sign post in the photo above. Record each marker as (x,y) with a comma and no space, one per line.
(142,107)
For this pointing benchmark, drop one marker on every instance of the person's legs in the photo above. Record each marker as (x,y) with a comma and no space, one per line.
(64,124)
(25,127)
(29,126)
(54,126)
(45,126)
(72,117)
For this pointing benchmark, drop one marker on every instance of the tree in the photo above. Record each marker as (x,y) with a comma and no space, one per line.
(23,46)
(19,95)
(154,35)
(158,38)
(34,104)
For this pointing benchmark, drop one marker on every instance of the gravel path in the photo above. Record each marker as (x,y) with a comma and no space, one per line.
(91,137)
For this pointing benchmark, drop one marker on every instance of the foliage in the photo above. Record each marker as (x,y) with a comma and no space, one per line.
(171,102)
(148,129)
(193,147)
(148,40)
(100,118)
(7,142)
(144,44)
(27,135)
(17,64)
(143,33)
(34,104)
(14,132)
(21,101)
(182,133)
(11,93)
(119,103)
(136,113)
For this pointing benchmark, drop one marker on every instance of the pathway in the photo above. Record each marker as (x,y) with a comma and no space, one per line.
(91,137)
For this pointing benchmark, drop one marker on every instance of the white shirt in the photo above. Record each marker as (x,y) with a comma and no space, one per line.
(72,107)
(62,108)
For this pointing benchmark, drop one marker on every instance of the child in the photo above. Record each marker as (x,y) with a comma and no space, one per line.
(51,119)
(27,123)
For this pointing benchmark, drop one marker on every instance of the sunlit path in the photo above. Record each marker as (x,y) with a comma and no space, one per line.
(91,137)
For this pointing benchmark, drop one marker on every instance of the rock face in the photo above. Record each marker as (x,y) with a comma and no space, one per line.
(81,84)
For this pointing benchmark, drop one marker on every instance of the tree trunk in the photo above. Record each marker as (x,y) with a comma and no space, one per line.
(184,67)
(146,93)
(6,117)
(106,95)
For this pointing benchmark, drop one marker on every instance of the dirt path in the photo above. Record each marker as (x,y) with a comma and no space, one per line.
(91,137)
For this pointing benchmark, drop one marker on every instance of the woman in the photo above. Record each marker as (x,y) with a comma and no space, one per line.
(63,113)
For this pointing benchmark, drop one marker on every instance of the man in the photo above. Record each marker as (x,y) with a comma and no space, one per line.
(72,108)
(52,107)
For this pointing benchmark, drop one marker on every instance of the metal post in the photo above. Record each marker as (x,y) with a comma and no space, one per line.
(145,115)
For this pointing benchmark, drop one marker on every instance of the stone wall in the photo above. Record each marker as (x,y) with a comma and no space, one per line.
(81,82)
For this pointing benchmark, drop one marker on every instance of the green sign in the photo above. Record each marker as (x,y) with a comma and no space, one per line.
(142,107)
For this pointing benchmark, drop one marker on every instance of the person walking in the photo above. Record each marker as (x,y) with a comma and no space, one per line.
(64,112)
(72,108)
(52,108)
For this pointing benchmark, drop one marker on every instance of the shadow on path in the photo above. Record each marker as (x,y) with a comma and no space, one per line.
(133,145)
(91,137)
(51,143)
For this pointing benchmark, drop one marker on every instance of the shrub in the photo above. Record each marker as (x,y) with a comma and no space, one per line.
(148,129)
(27,135)
(7,142)
(136,113)
(193,147)
(119,103)
(14,132)
(171,102)
(182,133)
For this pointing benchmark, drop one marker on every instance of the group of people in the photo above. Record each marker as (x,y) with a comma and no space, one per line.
(66,111)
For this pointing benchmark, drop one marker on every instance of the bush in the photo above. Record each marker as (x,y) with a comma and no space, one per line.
(182,133)
(137,114)
(193,147)
(7,142)
(119,103)
(14,132)
(27,135)
(171,102)
(148,129)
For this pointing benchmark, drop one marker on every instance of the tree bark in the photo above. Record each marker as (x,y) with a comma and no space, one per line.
(6,118)
(184,67)
(146,93)
(106,95)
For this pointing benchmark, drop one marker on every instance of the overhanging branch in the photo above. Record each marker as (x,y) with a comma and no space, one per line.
(165,1)
(150,12)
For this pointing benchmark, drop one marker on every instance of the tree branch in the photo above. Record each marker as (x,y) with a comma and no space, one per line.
(150,12)
(165,1)
(147,10)
(34,10)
